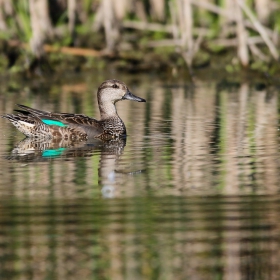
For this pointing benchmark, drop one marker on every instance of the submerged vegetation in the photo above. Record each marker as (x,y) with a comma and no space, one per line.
(142,34)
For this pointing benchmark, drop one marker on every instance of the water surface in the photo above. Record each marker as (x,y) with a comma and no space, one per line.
(192,193)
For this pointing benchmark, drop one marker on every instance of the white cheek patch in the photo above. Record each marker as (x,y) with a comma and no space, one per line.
(26,124)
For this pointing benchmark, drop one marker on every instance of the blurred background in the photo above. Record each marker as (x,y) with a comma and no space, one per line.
(140,35)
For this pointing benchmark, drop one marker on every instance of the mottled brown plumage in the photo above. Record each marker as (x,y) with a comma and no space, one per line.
(77,127)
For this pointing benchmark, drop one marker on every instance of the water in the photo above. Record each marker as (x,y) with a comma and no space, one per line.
(191,194)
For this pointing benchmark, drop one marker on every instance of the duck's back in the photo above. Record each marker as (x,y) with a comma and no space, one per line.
(44,124)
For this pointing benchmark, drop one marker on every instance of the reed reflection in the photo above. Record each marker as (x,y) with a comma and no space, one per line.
(213,139)
(173,237)
(29,151)
(225,140)
(206,139)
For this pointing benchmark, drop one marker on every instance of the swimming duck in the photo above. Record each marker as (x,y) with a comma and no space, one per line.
(77,127)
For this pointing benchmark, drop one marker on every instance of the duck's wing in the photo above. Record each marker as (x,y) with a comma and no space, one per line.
(54,118)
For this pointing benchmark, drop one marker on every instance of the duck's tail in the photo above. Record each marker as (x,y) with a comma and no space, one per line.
(26,122)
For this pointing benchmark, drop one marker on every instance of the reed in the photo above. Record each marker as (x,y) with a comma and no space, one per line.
(186,25)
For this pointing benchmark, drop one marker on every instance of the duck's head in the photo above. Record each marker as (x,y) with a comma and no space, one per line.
(114,91)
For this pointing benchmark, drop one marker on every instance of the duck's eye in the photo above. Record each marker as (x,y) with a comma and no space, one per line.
(115,86)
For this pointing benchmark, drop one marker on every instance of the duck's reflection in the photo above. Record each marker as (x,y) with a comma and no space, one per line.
(30,150)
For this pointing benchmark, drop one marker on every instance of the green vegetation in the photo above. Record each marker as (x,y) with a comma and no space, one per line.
(142,34)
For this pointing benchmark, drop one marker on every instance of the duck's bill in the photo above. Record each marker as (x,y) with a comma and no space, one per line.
(130,96)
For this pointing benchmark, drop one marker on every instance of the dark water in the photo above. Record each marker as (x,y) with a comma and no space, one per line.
(191,194)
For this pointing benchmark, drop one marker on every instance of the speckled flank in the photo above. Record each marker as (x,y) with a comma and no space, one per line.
(77,127)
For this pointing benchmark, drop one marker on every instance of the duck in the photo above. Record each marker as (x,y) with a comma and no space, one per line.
(39,124)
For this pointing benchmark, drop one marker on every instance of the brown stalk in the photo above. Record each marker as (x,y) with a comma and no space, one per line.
(188,34)
(64,50)
(174,26)
(143,25)
(234,41)
(158,8)
(71,10)
(241,32)
(3,25)
(40,24)
(259,27)
(220,11)
(263,9)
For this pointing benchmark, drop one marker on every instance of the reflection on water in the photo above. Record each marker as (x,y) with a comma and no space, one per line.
(192,193)
(148,238)
(33,150)
(30,150)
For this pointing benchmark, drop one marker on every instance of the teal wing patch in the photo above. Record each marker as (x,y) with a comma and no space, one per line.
(53,153)
(51,122)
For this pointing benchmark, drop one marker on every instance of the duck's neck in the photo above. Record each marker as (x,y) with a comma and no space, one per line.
(107,110)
